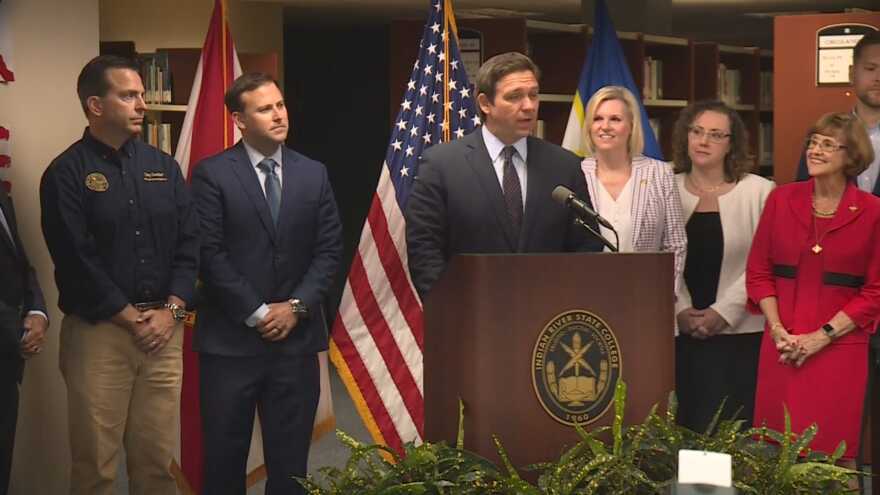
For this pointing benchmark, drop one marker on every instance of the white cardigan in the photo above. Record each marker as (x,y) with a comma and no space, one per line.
(740,210)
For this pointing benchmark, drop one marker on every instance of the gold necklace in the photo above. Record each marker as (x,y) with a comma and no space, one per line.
(705,190)
(824,213)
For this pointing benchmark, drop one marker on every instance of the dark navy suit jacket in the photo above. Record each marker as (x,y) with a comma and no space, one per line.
(20,287)
(246,260)
(457,206)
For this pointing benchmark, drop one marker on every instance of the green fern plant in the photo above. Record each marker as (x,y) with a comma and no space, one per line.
(635,460)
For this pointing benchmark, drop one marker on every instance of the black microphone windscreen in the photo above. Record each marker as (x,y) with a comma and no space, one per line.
(561,194)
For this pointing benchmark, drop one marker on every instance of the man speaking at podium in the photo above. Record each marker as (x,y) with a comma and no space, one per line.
(490,191)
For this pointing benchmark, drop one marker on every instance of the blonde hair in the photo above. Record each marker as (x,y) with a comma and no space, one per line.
(636,143)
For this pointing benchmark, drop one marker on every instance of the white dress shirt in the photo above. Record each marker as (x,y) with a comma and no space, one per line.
(618,212)
(867,179)
(257,157)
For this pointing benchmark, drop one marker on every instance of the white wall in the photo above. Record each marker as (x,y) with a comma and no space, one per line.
(46,43)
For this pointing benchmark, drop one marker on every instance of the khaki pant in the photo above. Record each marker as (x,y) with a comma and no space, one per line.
(117,395)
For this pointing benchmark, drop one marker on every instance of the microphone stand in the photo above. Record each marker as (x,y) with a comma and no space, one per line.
(614,248)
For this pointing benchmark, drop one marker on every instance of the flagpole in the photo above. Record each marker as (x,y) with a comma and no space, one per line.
(223,18)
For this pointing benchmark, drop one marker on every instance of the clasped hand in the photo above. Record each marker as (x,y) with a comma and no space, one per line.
(701,323)
(153,329)
(278,322)
(794,350)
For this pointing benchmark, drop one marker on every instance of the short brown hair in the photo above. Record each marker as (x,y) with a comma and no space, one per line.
(494,69)
(737,162)
(93,80)
(872,38)
(849,129)
(243,84)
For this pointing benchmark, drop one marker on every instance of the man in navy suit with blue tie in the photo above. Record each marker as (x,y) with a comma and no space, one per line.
(271,245)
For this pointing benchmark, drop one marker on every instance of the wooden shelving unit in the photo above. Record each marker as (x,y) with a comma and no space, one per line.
(690,72)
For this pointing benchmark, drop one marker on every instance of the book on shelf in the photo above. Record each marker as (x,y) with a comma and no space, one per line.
(766,98)
(729,85)
(156,75)
(158,135)
(765,143)
(652,88)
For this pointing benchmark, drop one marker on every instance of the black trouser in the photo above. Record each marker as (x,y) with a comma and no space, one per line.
(285,390)
(708,371)
(10,371)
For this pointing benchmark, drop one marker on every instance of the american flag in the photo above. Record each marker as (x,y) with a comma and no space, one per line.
(377,336)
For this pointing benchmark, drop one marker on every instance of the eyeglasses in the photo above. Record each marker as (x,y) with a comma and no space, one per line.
(716,137)
(824,145)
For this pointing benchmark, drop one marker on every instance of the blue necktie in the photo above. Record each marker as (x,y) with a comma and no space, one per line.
(273,187)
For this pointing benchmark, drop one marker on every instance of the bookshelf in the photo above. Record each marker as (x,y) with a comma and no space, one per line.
(164,120)
(670,72)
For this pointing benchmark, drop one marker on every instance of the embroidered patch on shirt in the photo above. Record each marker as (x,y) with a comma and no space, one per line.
(97,182)
(155,177)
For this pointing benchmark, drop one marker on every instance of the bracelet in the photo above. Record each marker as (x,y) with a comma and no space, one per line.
(777,325)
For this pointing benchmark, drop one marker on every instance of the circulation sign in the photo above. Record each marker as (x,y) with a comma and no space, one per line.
(834,52)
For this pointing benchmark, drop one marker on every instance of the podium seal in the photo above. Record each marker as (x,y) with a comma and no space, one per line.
(576,364)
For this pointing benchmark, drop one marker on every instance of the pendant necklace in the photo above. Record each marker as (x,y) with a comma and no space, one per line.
(817,213)
(817,247)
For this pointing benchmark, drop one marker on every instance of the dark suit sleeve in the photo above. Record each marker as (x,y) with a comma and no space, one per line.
(327,250)
(802,168)
(33,294)
(426,227)
(578,239)
(235,294)
(185,263)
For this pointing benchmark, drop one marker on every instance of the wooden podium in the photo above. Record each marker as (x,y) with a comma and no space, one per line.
(483,320)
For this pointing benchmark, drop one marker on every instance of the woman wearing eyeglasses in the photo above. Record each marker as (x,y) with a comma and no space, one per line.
(718,342)
(814,272)
(636,194)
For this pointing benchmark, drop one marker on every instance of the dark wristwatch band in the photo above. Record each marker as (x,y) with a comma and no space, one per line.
(829,331)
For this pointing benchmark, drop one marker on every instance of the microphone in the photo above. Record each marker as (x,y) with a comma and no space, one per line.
(564,196)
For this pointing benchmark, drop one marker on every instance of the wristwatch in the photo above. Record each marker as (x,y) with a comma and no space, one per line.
(829,331)
(178,313)
(299,308)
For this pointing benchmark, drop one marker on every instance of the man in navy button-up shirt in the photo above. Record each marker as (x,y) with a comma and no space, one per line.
(120,227)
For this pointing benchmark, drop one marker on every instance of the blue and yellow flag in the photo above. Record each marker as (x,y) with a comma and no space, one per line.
(605,66)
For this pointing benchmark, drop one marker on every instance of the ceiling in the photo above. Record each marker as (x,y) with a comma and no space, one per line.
(745,22)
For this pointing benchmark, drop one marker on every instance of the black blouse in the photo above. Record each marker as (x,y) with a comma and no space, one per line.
(702,268)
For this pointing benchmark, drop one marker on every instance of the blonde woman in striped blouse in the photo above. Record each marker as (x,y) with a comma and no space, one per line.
(635,193)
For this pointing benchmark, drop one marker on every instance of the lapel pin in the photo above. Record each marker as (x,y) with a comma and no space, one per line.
(853,208)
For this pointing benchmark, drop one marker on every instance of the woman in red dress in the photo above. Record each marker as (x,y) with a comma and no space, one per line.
(814,271)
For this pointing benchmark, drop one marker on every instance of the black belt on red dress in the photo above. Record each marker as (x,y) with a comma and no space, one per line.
(828,278)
